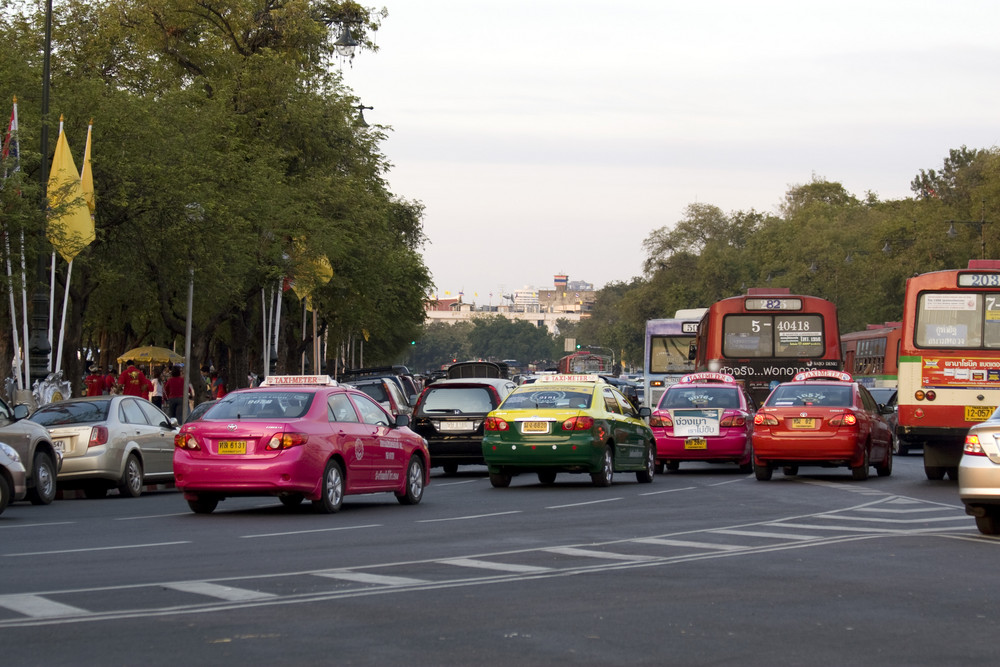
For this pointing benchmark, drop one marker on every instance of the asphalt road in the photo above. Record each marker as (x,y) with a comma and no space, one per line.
(706,566)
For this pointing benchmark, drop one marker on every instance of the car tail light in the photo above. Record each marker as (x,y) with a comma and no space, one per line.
(845,419)
(583,423)
(661,420)
(972,445)
(762,419)
(186,441)
(286,440)
(733,420)
(98,436)
(496,424)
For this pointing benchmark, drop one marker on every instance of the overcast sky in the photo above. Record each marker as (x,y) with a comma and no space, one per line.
(548,136)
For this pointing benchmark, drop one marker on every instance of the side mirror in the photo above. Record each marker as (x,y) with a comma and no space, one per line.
(402,420)
(645,413)
(692,352)
(20,411)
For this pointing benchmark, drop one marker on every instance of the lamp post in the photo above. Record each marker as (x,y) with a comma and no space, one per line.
(360,121)
(982,222)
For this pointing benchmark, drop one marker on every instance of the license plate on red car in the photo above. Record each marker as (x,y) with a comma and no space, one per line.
(232,446)
(803,422)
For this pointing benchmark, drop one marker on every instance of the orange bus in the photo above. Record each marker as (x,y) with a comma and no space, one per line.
(584,362)
(949,361)
(766,336)
(870,356)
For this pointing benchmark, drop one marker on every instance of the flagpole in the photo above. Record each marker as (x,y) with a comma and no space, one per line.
(62,323)
(277,319)
(12,140)
(263,314)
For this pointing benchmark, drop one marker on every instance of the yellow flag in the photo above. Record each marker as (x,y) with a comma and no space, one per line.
(70,229)
(311,272)
(86,175)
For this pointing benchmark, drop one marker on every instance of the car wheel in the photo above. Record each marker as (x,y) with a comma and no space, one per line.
(989,523)
(332,489)
(790,471)
(606,475)
(5,492)
(885,470)
(499,480)
(762,471)
(646,476)
(95,491)
(450,468)
(131,482)
(860,473)
(203,504)
(292,499)
(44,474)
(934,473)
(414,483)
(547,477)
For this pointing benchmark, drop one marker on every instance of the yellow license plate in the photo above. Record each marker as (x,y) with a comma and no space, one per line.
(534,427)
(803,422)
(696,443)
(978,413)
(232,446)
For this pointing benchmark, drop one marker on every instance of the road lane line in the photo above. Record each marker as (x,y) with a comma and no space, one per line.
(687,543)
(38,525)
(38,607)
(471,516)
(366,578)
(589,502)
(590,553)
(876,519)
(315,530)
(468,481)
(761,533)
(75,551)
(490,565)
(151,516)
(656,493)
(227,593)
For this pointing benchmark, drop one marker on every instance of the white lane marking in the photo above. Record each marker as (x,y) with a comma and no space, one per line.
(762,533)
(656,493)
(316,530)
(468,481)
(75,551)
(490,565)
(852,529)
(591,553)
(38,525)
(38,607)
(470,516)
(731,481)
(366,578)
(589,502)
(691,544)
(151,516)
(889,510)
(228,593)
(886,520)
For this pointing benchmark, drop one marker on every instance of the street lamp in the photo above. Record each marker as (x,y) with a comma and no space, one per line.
(982,222)
(360,121)
(346,44)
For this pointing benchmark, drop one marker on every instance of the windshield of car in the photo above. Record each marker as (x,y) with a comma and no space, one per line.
(273,405)
(811,395)
(374,389)
(700,397)
(548,397)
(456,400)
(883,395)
(82,412)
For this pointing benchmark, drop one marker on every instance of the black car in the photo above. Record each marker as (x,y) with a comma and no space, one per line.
(450,413)
(887,396)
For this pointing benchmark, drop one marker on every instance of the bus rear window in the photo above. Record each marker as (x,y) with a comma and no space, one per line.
(793,336)
(669,354)
(958,320)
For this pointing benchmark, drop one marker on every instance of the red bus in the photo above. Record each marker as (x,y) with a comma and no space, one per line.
(949,361)
(584,362)
(767,336)
(870,356)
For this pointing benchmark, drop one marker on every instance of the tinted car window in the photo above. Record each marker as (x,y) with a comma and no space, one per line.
(262,405)
(811,394)
(341,409)
(84,412)
(545,397)
(457,400)
(153,414)
(375,390)
(129,413)
(701,397)
(371,412)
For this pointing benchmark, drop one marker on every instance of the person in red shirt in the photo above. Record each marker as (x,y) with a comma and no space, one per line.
(94,382)
(110,381)
(173,392)
(134,382)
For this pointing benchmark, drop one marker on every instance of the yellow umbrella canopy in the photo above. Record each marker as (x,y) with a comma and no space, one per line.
(151,354)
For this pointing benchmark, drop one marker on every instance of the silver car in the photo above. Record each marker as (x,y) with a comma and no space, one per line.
(13,485)
(979,475)
(110,441)
(31,441)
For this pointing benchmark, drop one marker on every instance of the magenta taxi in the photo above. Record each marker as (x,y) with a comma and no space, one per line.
(704,417)
(297,438)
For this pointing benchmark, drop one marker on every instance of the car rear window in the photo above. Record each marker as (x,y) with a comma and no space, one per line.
(457,400)
(376,391)
(700,397)
(276,405)
(548,397)
(83,412)
(811,394)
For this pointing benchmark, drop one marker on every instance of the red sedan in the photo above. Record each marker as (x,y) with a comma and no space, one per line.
(298,438)
(821,418)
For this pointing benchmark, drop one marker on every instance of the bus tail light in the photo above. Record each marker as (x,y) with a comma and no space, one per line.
(761,419)
(922,395)
(972,445)
(662,421)
(583,423)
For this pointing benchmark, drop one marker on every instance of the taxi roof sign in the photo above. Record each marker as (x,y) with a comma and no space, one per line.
(823,375)
(708,376)
(298,380)
(564,377)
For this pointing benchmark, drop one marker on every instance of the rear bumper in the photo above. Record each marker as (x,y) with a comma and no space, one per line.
(979,481)
(265,477)
(780,450)
(730,447)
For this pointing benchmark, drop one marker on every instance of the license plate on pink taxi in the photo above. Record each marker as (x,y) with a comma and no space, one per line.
(232,446)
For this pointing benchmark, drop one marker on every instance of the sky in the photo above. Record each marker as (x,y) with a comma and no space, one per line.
(552,137)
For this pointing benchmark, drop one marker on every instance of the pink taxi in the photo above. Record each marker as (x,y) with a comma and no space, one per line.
(704,417)
(298,438)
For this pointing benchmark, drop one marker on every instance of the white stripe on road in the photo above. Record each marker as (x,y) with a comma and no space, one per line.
(656,493)
(365,578)
(685,543)
(471,516)
(589,553)
(957,517)
(761,533)
(227,593)
(490,565)
(38,607)
(316,530)
(75,551)
(589,502)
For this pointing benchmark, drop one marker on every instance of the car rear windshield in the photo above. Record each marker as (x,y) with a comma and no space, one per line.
(548,397)
(700,397)
(83,412)
(811,394)
(457,400)
(275,405)
(376,391)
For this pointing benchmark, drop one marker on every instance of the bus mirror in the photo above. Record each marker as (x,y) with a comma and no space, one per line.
(692,351)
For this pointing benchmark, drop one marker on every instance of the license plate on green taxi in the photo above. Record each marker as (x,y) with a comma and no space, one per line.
(534,427)
(232,446)
(803,422)
(696,443)
(978,413)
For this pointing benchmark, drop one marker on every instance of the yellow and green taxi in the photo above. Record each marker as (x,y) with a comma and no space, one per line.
(568,423)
